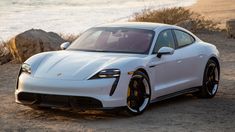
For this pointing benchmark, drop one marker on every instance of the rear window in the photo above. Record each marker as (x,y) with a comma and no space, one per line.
(183,38)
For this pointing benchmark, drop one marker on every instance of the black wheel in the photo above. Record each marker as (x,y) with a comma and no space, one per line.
(139,93)
(210,80)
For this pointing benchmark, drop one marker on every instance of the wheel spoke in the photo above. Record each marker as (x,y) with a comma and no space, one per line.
(135,83)
(146,96)
(212,71)
(132,102)
(211,85)
(208,83)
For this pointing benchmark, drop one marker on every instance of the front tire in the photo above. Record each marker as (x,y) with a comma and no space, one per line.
(210,80)
(139,94)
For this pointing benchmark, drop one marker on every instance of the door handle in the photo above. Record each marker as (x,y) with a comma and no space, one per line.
(152,64)
(179,61)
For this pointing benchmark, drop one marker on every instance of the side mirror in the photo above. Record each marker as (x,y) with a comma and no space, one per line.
(165,51)
(64,45)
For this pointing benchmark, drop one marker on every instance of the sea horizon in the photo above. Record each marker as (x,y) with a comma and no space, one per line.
(71,17)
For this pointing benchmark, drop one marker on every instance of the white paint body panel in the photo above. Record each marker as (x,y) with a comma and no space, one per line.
(168,74)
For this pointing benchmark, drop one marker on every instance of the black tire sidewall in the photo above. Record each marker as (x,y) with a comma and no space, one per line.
(204,90)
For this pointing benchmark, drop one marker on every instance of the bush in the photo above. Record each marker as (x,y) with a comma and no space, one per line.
(176,15)
(69,37)
(5,55)
(4,47)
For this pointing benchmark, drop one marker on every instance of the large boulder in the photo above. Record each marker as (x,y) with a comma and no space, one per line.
(230,25)
(32,42)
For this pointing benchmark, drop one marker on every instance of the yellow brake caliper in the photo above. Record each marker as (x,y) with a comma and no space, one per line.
(128,95)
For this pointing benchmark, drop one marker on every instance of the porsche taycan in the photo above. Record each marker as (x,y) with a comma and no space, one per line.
(125,65)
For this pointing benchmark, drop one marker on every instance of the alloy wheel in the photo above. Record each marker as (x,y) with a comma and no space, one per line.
(138,96)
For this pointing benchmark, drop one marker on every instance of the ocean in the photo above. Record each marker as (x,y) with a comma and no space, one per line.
(70,16)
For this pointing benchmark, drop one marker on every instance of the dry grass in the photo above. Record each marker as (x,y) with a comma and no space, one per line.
(5,55)
(69,37)
(4,47)
(175,15)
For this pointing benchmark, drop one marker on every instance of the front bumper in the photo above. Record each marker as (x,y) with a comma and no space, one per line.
(53,92)
(58,100)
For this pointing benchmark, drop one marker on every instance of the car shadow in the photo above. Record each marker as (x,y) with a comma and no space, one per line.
(92,115)
(178,100)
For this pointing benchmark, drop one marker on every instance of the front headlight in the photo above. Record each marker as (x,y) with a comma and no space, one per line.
(26,68)
(107,73)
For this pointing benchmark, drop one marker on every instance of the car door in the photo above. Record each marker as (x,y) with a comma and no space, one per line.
(188,58)
(164,70)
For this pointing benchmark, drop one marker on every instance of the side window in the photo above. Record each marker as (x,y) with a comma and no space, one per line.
(183,38)
(165,39)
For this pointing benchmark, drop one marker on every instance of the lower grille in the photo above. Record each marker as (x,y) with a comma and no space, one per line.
(59,100)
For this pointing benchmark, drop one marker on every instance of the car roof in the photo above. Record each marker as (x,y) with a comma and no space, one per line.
(147,26)
(138,25)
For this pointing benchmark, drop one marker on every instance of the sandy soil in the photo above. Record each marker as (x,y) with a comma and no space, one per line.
(184,113)
(217,10)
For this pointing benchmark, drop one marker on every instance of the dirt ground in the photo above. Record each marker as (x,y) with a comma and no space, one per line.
(218,10)
(184,113)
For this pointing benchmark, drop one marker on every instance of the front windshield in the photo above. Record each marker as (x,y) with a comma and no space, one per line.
(113,39)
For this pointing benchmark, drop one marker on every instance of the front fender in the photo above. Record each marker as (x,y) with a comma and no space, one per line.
(127,67)
(35,60)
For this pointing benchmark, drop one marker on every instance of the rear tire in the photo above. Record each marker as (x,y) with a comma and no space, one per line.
(139,94)
(210,80)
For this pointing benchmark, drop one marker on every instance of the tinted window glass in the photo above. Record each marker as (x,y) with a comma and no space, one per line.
(165,39)
(183,38)
(109,39)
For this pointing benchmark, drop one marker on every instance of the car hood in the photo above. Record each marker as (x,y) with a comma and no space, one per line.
(77,65)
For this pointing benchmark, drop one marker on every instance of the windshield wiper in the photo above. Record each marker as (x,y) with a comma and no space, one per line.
(100,50)
(93,50)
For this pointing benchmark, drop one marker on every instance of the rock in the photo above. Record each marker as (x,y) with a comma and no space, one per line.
(5,55)
(230,25)
(32,42)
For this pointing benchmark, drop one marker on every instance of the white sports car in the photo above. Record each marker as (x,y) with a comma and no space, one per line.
(128,65)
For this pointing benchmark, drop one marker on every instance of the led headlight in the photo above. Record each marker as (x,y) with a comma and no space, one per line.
(26,68)
(107,73)
(110,73)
